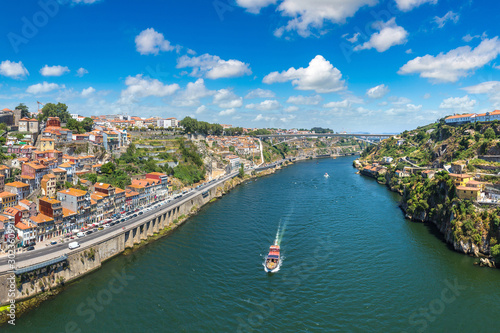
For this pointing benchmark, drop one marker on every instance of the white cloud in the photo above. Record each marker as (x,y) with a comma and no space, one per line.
(260,93)
(399,100)
(378,91)
(266,118)
(484,88)
(409,51)
(139,87)
(201,109)
(226,99)
(467,38)
(44,87)
(427,96)
(266,105)
(292,108)
(491,88)
(407,5)
(319,76)
(450,16)
(81,72)
(338,105)
(389,34)
(150,41)
(354,38)
(213,67)
(404,109)
(14,70)
(53,70)
(458,103)
(457,63)
(254,6)
(88,91)
(303,100)
(193,93)
(227,112)
(308,15)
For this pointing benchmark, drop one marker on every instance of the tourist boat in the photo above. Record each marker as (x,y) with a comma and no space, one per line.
(273,259)
(327,175)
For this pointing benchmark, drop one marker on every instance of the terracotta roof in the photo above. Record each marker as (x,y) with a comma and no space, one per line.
(102,185)
(26,202)
(41,218)
(73,192)
(458,175)
(3,167)
(65,165)
(17,184)
(58,170)
(119,190)
(11,211)
(67,212)
(27,177)
(22,226)
(50,200)
(467,188)
(6,194)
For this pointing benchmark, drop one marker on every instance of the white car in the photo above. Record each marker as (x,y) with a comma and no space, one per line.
(73,245)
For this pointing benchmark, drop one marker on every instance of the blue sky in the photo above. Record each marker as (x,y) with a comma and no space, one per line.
(351,65)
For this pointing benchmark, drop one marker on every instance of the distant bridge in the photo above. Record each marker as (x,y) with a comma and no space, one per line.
(369,138)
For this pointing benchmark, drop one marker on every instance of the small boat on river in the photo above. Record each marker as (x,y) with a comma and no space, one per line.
(272,263)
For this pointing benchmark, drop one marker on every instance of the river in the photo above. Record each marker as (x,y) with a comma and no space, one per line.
(352,263)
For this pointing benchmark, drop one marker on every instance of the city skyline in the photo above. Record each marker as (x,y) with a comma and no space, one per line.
(396,64)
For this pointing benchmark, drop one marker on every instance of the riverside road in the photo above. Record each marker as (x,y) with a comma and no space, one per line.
(54,251)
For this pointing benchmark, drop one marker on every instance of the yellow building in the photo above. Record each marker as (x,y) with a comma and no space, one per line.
(468,193)
(8,200)
(461,179)
(46,144)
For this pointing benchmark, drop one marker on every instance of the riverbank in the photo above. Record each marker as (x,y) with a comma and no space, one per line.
(43,284)
(469,228)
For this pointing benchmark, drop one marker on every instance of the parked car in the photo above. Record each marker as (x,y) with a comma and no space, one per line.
(100,228)
(88,232)
(140,213)
(136,210)
(53,243)
(30,248)
(135,215)
(80,234)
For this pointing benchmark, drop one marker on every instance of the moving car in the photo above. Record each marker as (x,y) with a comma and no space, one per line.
(80,234)
(73,245)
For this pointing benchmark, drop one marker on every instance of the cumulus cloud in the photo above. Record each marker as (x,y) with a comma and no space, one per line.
(88,91)
(254,6)
(260,93)
(140,87)
(389,34)
(303,100)
(14,70)
(266,105)
(450,16)
(378,91)
(81,72)
(201,109)
(407,5)
(226,99)
(491,88)
(213,67)
(338,105)
(319,76)
(266,118)
(292,108)
(458,103)
(53,70)
(309,15)
(457,63)
(404,109)
(193,93)
(227,112)
(467,38)
(150,41)
(43,87)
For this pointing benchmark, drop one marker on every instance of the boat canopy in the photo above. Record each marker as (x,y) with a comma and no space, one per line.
(272,256)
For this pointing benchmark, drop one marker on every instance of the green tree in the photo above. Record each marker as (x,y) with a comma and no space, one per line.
(489,134)
(92,177)
(108,168)
(87,124)
(241,174)
(55,110)
(24,110)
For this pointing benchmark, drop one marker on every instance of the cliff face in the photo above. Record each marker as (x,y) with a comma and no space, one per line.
(471,229)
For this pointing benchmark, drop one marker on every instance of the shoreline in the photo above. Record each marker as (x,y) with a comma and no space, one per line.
(470,249)
(32,302)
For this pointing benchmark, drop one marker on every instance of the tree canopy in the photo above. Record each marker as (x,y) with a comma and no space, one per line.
(192,125)
(80,126)
(24,110)
(55,110)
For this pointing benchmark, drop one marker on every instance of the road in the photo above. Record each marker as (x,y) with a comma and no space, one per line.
(54,251)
